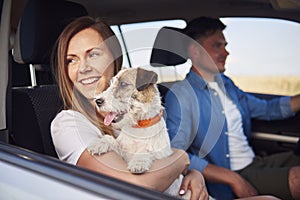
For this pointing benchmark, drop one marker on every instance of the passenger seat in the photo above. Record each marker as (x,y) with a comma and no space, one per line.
(169,49)
(34,106)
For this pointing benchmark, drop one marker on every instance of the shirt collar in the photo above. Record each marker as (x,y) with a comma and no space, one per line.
(195,79)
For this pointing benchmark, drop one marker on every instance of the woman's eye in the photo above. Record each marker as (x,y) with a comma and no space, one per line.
(71,60)
(95,54)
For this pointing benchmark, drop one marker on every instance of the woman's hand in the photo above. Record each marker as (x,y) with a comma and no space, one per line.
(194,181)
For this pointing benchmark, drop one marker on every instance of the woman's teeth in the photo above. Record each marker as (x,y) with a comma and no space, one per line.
(89,80)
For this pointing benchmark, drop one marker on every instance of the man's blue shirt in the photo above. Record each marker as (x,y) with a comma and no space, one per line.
(196,121)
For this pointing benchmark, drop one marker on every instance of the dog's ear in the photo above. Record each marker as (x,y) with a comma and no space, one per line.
(144,78)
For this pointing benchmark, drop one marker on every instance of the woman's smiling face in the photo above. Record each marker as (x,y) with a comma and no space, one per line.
(90,62)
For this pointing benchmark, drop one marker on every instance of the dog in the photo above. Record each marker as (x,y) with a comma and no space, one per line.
(132,105)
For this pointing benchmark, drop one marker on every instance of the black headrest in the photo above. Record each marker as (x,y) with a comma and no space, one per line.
(169,47)
(40,25)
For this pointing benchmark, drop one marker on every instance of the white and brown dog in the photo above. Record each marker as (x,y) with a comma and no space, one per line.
(133,106)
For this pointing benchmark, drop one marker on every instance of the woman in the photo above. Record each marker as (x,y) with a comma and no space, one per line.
(87,56)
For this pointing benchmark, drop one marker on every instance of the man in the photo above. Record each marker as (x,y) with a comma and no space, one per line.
(209,117)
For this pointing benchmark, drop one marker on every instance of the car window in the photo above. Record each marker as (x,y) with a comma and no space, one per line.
(138,42)
(139,38)
(117,31)
(263,53)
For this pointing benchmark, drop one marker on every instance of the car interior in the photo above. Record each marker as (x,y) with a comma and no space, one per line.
(30,97)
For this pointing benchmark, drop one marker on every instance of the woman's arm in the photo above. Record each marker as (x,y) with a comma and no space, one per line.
(72,133)
(111,164)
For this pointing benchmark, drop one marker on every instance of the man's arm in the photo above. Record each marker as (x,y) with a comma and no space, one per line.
(295,103)
(238,184)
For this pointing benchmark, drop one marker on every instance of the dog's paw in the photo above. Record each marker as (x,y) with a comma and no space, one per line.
(139,166)
(102,145)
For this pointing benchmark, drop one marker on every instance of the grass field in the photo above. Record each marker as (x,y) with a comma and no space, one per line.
(279,85)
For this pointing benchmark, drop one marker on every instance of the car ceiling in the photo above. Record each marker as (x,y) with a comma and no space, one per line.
(130,11)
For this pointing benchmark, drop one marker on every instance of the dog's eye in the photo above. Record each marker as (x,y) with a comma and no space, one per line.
(123,84)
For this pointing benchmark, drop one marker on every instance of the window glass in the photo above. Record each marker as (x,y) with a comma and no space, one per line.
(139,39)
(117,31)
(263,55)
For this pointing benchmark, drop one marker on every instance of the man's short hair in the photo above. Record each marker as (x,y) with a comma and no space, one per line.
(203,27)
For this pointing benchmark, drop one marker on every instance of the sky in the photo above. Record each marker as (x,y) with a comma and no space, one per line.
(265,46)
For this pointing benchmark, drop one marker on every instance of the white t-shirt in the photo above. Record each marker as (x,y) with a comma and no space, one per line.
(241,154)
(71,133)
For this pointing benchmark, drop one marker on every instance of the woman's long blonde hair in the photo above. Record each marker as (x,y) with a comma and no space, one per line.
(72,98)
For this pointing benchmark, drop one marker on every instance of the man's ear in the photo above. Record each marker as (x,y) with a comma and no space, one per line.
(144,78)
(193,50)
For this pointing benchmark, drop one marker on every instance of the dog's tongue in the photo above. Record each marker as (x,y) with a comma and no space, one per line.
(109,118)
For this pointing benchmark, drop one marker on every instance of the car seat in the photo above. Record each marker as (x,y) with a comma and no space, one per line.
(34,107)
(169,49)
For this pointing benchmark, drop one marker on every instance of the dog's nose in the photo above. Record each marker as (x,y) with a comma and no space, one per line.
(100,102)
